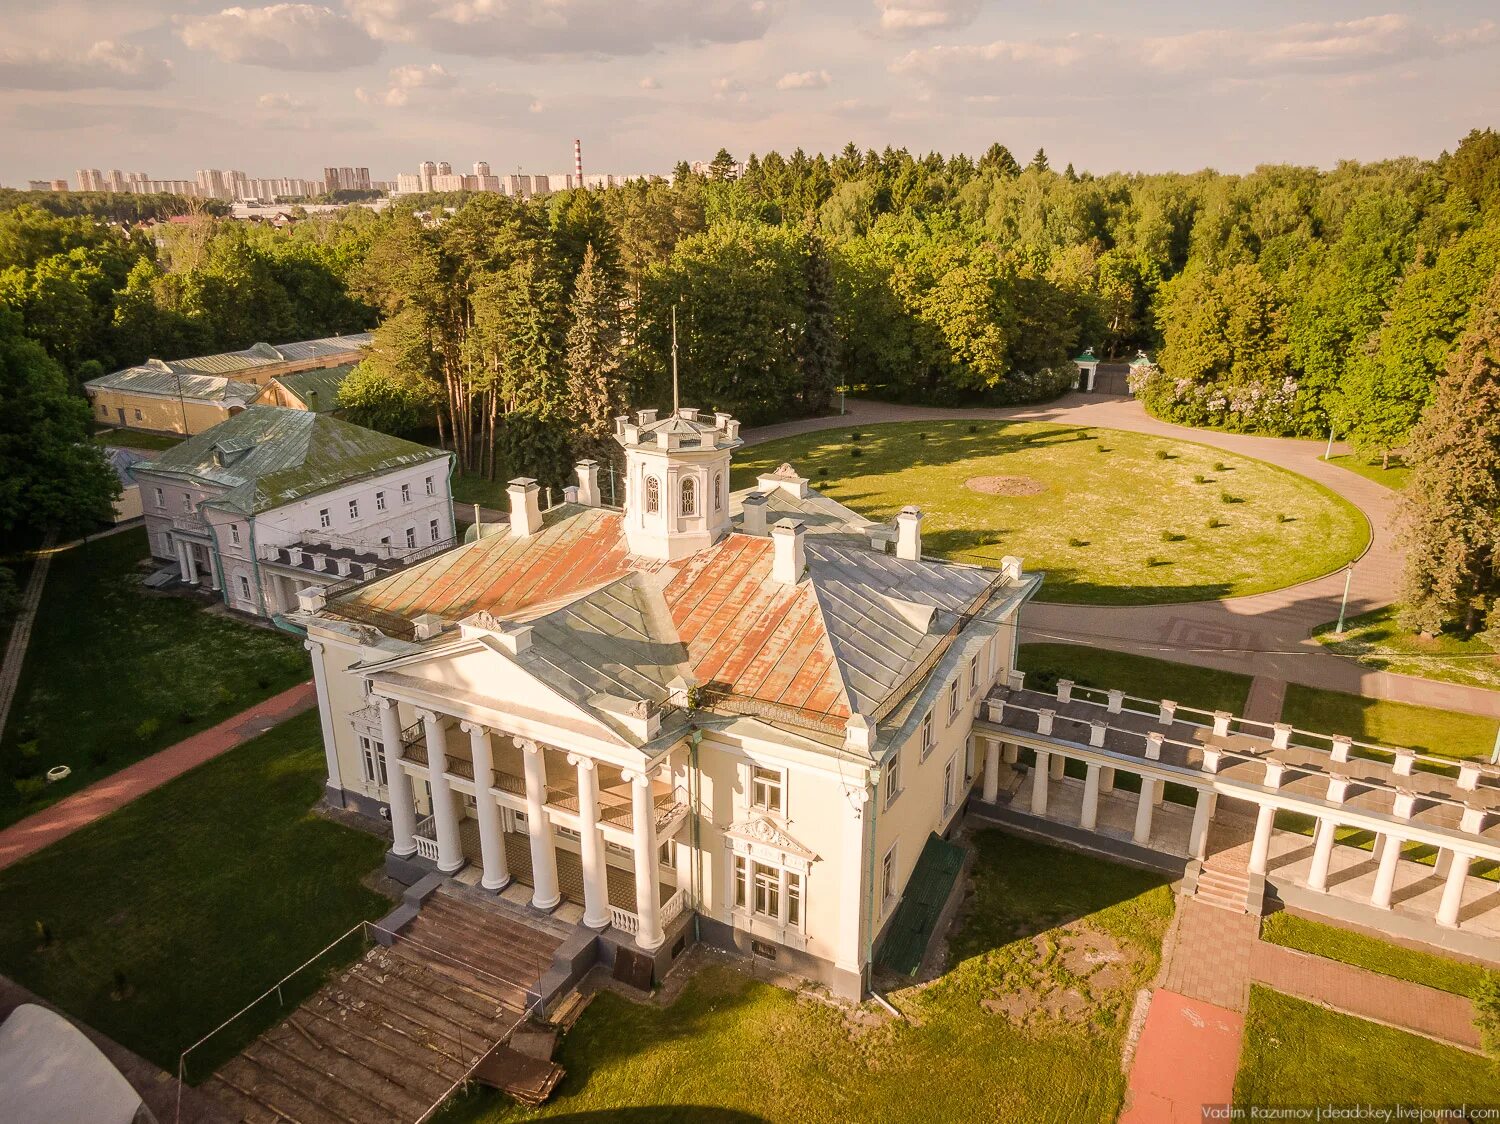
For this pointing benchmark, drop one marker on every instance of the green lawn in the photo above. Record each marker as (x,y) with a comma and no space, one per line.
(1121,518)
(1373,953)
(114,672)
(1394,477)
(730,1048)
(1149,678)
(203,893)
(1441,732)
(1378,641)
(1299,1053)
(473,488)
(1425,853)
(130,439)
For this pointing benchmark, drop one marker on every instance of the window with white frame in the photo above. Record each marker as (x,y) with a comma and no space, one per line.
(372,760)
(324,519)
(888,877)
(950,785)
(927,738)
(430,491)
(432,529)
(952,700)
(893,778)
(768,789)
(772,893)
(161,498)
(689,496)
(973,676)
(234,534)
(406,493)
(411,537)
(379,501)
(187,502)
(354,509)
(244,588)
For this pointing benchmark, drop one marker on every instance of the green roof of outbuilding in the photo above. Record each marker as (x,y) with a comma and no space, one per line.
(921,905)
(267,456)
(1086,356)
(317,390)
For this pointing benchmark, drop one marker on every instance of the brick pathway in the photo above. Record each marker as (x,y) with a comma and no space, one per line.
(104,796)
(1369,995)
(1267,697)
(1187,1057)
(1262,635)
(1211,957)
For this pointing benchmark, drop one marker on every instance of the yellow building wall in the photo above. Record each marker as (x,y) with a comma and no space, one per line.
(158,415)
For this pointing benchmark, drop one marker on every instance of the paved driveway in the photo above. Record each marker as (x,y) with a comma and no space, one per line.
(1265,635)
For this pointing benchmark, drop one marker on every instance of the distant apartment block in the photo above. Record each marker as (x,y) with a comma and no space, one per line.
(346,179)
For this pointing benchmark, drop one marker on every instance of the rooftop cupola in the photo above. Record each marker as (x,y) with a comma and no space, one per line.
(676,480)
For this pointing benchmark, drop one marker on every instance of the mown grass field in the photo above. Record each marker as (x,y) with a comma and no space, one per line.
(1394,477)
(734,1049)
(115,672)
(1297,1053)
(1444,733)
(1121,518)
(200,894)
(1378,641)
(1202,687)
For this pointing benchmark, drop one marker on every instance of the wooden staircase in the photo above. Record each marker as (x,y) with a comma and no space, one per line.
(391,1036)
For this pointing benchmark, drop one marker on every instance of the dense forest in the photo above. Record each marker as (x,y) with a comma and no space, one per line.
(1290,300)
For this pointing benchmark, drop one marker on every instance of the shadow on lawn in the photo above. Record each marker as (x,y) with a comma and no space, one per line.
(655,1114)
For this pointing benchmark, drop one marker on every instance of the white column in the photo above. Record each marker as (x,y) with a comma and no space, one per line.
(491,835)
(1106,779)
(1385,874)
(647,898)
(325,714)
(1055,765)
(1039,773)
(544,891)
(1090,814)
(1203,814)
(192,562)
(1010,753)
(398,784)
(591,843)
(1143,809)
(991,771)
(852,885)
(1260,848)
(444,813)
(1317,874)
(1453,890)
(182,559)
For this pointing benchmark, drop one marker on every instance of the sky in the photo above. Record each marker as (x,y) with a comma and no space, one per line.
(285,89)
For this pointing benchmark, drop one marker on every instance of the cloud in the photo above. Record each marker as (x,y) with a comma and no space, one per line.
(804,80)
(283,103)
(527,29)
(730,90)
(107,65)
(1328,50)
(649,83)
(916,17)
(283,37)
(407,81)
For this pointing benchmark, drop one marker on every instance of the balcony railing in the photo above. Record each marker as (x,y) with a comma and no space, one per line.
(426,839)
(628,922)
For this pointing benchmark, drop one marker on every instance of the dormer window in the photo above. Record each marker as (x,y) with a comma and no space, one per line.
(653,495)
(689,496)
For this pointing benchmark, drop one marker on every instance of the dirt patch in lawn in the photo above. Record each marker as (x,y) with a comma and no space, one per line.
(1067,976)
(1005,485)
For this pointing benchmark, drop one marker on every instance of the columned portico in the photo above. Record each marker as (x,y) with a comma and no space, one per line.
(491,844)
(643,824)
(403,811)
(444,811)
(591,844)
(544,890)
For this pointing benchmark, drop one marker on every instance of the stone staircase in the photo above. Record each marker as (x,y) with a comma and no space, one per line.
(1223,879)
(390,1037)
(1227,889)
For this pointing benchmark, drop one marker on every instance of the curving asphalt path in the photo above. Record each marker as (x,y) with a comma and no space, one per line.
(1265,635)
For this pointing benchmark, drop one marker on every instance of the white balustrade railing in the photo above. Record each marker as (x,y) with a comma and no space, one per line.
(624,920)
(426,839)
(673,909)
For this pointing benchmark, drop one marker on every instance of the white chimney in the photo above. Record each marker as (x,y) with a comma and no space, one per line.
(525,507)
(753,514)
(645,417)
(588,483)
(791,553)
(310,599)
(859,734)
(909,534)
(570,494)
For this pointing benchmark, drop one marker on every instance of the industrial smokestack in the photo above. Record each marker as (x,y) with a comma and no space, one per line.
(578,161)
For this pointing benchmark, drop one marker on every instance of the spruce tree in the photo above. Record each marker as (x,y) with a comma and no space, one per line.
(1039,161)
(1450,515)
(594,392)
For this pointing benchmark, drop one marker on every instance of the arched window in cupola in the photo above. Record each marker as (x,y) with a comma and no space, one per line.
(653,495)
(689,495)
(718,491)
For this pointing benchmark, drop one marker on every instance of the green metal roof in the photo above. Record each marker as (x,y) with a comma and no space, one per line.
(1086,356)
(317,390)
(267,456)
(917,916)
(1141,360)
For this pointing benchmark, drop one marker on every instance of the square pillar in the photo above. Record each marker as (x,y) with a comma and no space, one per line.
(1090,814)
(444,810)
(398,783)
(544,892)
(591,844)
(649,934)
(491,835)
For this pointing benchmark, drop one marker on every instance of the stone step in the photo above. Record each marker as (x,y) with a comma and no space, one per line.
(487,927)
(480,947)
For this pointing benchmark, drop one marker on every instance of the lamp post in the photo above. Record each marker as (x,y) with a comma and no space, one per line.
(1344,604)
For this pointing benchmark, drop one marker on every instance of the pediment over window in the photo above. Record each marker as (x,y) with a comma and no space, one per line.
(759,835)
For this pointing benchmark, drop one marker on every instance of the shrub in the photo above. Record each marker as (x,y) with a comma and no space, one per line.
(856,452)
(263,682)
(223,696)
(823,470)
(1152,562)
(921,437)
(1220,466)
(1487,1013)
(186,717)
(1078,542)
(29,788)
(148,729)
(1227,497)
(855,435)
(1199,478)
(973,429)
(1214,522)
(1283,517)
(1100,449)
(1163,455)
(29,751)
(1171,536)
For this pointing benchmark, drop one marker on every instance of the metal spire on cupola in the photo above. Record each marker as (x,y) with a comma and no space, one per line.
(676,405)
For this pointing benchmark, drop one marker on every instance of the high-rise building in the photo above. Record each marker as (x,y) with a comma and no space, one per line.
(482,169)
(447,181)
(38,185)
(444,168)
(425,171)
(346,179)
(89,179)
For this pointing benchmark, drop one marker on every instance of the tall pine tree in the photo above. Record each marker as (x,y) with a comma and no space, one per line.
(1450,517)
(595,395)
